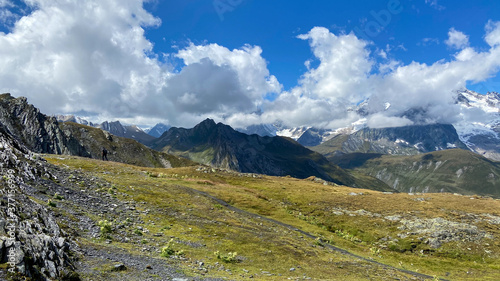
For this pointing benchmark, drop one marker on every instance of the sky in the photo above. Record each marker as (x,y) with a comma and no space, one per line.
(244,62)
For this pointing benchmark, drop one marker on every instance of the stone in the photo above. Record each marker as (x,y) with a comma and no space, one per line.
(119,267)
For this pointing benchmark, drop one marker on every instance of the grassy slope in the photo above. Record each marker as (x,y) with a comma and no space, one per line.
(201,226)
(120,149)
(452,171)
(329,147)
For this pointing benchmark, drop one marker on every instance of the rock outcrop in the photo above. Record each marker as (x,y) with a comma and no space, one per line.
(40,133)
(31,242)
(43,134)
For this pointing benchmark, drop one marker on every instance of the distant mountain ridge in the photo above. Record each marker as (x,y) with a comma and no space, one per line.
(131,132)
(158,130)
(478,126)
(44,134)
(221,146)
(115,128)
(408,140)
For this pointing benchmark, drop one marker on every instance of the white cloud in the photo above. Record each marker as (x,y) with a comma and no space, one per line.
(378,120)
(344,66)
(93,57)
(493,33)
(71,56)
(457,39)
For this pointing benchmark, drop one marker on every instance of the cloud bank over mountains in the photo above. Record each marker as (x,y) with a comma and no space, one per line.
(93,58)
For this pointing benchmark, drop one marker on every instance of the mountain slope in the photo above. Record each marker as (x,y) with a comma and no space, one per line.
(43,134)
(120,149)
(221,146)
(31,241)
(409,140)
(158,130)
(131,132)
(453,171)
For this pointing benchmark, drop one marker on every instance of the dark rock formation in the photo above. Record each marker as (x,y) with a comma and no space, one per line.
(37,131)
(43,134)
(220,146)
(31,241)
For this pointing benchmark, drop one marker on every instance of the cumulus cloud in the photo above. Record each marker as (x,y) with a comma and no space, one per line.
(247,62)
(457,39)
(93,57)
(68,56)
(396,94)
(205,87)
(493,33)
(344,66)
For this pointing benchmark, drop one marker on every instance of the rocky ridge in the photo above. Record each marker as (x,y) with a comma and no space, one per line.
(44,134)
(30,239)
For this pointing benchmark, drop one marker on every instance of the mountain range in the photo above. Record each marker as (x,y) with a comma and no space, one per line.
(477,127)
(219,145)
(477,130)
(115,128)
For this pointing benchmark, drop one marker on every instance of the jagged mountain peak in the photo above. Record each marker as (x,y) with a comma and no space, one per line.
(219,145)
(206,124)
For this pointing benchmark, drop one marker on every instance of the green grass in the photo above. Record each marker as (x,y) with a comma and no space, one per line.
(202,227)
(454,171)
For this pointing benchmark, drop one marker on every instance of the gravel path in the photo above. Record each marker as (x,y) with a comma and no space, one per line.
(420,276)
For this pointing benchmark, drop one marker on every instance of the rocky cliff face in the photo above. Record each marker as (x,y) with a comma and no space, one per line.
(43,134)
(37,131)
(31,242)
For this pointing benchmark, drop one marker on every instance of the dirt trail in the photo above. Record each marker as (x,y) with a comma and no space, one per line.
(342,251)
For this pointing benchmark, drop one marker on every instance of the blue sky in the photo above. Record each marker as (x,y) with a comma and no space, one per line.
(417,33)
(243,62)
